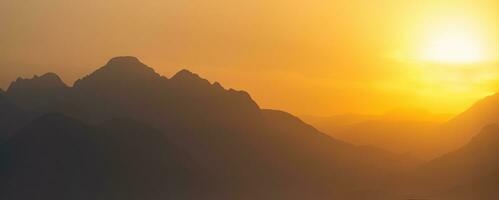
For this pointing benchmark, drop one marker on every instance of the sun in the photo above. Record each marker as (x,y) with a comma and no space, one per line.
(455,45)
(454,48)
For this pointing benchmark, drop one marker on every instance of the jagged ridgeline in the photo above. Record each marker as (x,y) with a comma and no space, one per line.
(126,132)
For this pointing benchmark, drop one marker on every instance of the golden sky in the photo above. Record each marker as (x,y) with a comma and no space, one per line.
(308,57)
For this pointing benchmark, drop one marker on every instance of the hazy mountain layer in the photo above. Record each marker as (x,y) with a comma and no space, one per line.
(471,172)
(125,132)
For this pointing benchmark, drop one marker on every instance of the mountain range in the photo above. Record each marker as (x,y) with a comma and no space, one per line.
(126,132)
(425,135)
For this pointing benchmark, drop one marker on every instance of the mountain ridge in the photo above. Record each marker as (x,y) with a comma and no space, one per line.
(470,172)
(234,149)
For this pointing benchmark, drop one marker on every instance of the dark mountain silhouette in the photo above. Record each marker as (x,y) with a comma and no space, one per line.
(182,131)
(40,94)
(56,157)
(11,117)
(126,132)
(46,83)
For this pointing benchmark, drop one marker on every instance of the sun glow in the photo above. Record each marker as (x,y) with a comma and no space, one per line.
(455,45)
(455,48)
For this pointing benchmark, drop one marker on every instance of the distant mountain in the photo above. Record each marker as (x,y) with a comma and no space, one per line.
(295,133)
(471,172)
(331,124)
(462,128)
(396,134)
(404,137)
(403,133)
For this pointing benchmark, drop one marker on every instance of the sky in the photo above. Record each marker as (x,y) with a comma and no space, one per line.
(307,57)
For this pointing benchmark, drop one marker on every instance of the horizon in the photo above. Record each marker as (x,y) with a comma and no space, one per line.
(395,110)
(320,58)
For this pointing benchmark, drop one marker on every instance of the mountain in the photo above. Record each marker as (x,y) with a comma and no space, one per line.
(38,91)
(331,124)
(186,106)
(126,132)
(46,83)
(56,157)
(392,132)
(471,172)
(462,128)
(233,149)
(40,94)
(425,139)
(296,133)
(11,117)
(404,137)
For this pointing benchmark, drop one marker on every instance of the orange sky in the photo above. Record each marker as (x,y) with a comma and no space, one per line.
(308,57)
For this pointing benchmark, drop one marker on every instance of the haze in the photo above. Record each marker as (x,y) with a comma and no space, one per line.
(314,57)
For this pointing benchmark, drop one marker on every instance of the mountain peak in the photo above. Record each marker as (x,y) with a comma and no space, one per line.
(50,75)
(186,77)
(49,78)
(119,70)
(46,81)
(185,74)
(124,60)
(125,65)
